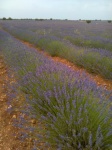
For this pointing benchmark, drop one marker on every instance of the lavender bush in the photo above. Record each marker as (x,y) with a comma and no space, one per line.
(89,43)
(76,113)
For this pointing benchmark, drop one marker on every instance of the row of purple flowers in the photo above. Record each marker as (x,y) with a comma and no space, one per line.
(76,113)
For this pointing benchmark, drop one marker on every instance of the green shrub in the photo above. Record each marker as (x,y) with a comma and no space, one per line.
(4,18)
(88,21)
(109,21)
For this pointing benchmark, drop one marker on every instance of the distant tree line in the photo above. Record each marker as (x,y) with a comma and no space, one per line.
(42,19)
(4,18)
(7,18)
(36,19)
(89,21)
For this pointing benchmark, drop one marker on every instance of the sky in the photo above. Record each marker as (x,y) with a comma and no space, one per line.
(57,9)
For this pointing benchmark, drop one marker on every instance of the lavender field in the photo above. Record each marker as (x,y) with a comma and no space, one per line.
(75,113)
(87,45)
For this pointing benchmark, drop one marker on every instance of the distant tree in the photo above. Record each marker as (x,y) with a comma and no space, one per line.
(41,19)
(51,19)
(9,18)
(88,21)
(109,21)
(4,18)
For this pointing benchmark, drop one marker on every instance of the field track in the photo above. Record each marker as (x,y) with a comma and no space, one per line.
(8,133)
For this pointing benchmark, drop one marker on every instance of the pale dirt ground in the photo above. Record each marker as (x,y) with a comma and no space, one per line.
(8,133)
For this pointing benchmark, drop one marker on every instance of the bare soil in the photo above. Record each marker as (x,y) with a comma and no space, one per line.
(9,135)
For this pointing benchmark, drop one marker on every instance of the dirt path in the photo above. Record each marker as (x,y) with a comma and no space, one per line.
(8,133)
(107,84)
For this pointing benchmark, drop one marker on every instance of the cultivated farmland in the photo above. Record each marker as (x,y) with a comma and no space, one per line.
(58,107)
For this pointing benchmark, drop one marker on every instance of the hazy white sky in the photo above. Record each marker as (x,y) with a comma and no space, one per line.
(57,9)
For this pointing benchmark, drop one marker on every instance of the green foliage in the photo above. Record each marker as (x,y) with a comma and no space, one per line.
(109,21)
(71,119)
(88,21)
(66,133)
(92,61)
(9,18)
(88,43)
(56,48)
(39,19)
(4,18)
(76,41)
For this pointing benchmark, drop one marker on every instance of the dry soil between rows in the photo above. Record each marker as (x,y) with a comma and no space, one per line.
(9,135)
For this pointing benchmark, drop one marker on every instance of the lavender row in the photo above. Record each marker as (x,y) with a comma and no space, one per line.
(76,112)
(44,35)
(97,30)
